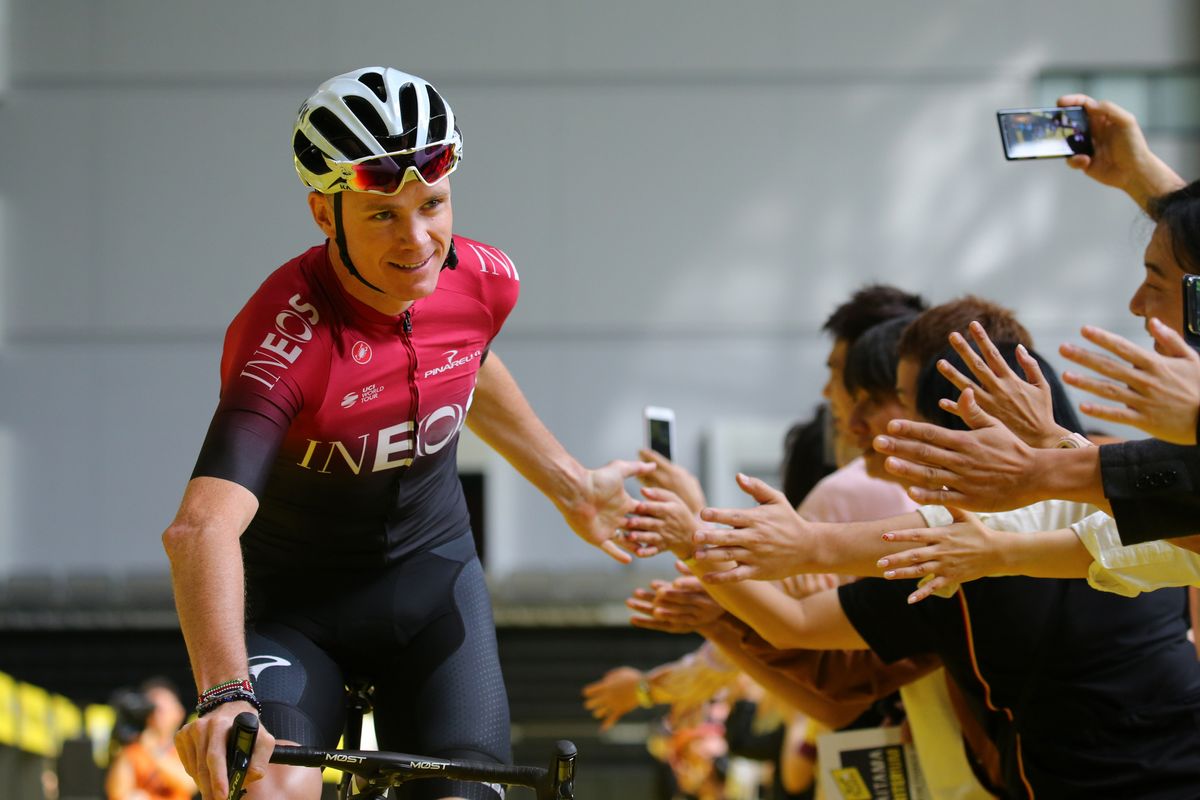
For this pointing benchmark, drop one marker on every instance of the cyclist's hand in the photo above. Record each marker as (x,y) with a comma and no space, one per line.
(202,745)
(599,514)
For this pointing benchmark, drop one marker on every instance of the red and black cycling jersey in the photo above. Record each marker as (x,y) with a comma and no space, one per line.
(344,421)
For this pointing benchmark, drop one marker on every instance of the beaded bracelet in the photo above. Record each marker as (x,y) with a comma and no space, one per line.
(237,684)
(210,705)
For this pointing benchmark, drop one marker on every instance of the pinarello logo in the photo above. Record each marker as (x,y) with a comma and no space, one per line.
(360,352)
(350,399)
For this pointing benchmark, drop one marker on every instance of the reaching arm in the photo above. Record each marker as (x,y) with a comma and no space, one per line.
(207,576)
(765,542)
(1121,157)
(593,502)
(968,549)
(986,468)
(834,686)
(816,622)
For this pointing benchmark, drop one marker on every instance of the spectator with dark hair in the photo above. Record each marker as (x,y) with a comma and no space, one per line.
(808,455)
(871,380)
(827,685)
(1146,485)
(866,308)
(146,765)
(926,337)
(1048,666)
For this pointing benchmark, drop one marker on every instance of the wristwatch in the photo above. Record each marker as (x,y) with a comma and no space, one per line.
(1074,441)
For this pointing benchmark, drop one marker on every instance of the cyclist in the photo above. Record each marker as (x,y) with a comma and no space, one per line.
(331,460)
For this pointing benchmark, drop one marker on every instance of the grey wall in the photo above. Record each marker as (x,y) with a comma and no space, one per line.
(686,188)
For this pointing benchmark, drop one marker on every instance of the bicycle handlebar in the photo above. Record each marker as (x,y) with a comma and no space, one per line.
(383,769)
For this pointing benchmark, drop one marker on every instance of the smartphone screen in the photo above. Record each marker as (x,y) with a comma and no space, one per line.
(660,437)
(1044,132)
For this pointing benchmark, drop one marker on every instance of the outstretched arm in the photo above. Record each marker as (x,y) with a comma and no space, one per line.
(967,549)
(771,540)
(986,468)
(765,542)
(1121,157)
(592,501)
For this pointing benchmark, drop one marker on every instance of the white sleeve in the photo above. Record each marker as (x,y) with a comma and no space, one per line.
(1049,515)
(1132,569)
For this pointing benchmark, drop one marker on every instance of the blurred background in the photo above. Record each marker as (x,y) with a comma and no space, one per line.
(686,188)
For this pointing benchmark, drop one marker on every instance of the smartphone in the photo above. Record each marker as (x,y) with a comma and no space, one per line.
(660,430)
(1191,310)
(1044,132)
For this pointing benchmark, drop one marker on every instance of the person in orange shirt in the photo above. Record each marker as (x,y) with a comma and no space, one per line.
(147,767)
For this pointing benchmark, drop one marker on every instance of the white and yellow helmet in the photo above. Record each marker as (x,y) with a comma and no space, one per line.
(374,112)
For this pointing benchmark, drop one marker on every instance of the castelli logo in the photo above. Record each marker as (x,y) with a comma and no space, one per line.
(361,352)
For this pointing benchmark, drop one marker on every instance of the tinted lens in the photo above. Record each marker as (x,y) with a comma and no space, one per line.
(385,175)
(435,163)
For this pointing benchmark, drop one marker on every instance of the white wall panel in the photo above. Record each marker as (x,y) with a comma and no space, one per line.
(687,188)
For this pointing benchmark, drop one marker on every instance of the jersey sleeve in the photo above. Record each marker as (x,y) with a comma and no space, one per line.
(499,283)
(275,360)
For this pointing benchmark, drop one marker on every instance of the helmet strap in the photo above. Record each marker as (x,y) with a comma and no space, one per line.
(339,236)
(451,261)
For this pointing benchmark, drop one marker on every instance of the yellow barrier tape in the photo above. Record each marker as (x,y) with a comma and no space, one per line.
(8,710)
(34,734)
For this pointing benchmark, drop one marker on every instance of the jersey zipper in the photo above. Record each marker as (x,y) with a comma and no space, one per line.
(407,327)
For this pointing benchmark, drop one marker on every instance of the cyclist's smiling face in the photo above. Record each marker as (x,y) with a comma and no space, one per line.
(397,242)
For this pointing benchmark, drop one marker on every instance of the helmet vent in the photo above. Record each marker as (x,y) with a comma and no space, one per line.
(374,82)
(367,114)
(338,134)
(408,114)
(309,155)
(437,116)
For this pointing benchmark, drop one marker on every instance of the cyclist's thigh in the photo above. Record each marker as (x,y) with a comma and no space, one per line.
(299,685)
(446,697)
(294,783)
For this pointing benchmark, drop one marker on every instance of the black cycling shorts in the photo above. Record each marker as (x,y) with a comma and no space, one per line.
(421,631)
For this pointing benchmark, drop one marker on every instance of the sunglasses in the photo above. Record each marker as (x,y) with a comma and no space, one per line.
(387,174)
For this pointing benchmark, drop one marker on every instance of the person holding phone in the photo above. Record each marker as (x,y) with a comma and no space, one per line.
(1051,666)
(1147,485)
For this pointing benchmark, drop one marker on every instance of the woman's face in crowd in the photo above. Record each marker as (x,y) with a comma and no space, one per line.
(1160,294)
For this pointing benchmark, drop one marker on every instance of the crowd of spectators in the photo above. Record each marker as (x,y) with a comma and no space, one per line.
(1024,585)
